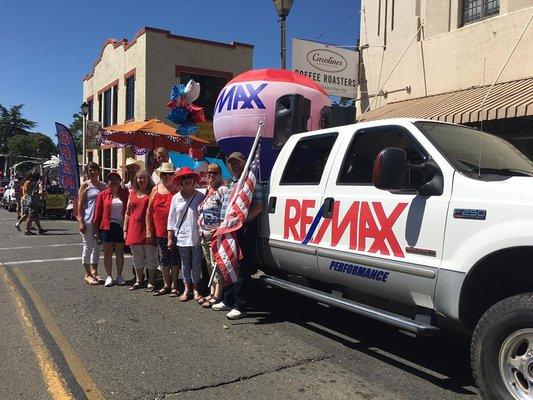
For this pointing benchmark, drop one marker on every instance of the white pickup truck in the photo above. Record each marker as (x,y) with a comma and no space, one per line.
(432,216)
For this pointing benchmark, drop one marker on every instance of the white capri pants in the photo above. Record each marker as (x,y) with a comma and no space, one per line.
(144,256)
(91,250)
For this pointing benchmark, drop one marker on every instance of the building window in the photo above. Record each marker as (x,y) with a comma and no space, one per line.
(475,10)
(130,97)
(115,104)
(107,108)
(99,107)
(211,87)
(90,113)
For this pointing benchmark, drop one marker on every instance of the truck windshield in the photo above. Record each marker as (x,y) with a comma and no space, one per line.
(476,153)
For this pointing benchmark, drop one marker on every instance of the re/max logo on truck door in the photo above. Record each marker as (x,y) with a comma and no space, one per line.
(364,232)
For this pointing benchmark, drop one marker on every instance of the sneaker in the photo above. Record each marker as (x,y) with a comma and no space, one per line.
(120,280)
(108,281)
(220,307)
(236,314)
(17,226)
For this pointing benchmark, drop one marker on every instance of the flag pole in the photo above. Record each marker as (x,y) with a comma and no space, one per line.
(244,173)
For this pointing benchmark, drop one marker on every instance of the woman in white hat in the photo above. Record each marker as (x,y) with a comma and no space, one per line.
(156,223)
(132,166)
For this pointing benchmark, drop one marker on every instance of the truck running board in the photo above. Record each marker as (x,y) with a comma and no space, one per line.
(418,328)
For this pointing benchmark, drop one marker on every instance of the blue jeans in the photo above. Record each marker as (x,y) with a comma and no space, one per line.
(236,294)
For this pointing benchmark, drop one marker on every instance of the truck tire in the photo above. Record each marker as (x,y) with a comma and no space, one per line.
(502,349)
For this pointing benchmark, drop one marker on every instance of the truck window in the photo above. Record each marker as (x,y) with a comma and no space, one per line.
(359,159)
(307,161)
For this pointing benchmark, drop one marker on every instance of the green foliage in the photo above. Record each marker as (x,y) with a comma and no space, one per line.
(12,123)
(76,128)
(32,145)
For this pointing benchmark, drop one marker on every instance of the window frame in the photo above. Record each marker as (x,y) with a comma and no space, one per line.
(357,134)
(334,135)
(130,98)
(482,15)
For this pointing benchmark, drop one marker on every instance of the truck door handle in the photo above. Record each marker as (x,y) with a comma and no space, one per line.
(327,207)
(272,205)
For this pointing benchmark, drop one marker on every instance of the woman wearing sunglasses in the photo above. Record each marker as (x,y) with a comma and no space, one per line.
(156,223)
(208,222)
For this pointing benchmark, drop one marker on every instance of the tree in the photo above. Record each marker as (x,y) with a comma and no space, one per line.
(35,145)
(12,123)
(76,128)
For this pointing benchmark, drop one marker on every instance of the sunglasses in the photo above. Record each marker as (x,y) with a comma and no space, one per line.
(167,173)
(213,173)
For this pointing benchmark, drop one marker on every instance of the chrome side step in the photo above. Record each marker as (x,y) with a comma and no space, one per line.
(418,328)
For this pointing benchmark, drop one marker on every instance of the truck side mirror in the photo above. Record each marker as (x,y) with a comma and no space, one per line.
(389,169)
(292,113)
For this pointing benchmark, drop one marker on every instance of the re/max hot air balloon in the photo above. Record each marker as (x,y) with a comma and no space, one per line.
(250,98)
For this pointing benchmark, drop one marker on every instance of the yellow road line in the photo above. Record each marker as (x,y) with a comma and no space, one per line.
(55,385)
(76,366)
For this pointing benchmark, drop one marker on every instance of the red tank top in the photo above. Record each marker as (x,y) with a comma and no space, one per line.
(137,221)
(161,207)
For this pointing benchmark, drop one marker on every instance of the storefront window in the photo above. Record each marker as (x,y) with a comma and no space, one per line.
(211,87)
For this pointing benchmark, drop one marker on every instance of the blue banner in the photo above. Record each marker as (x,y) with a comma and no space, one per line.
(68,167)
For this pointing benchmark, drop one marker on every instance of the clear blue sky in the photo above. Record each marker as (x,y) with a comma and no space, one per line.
(47,47)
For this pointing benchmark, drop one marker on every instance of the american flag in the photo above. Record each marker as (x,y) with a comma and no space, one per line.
(224,241)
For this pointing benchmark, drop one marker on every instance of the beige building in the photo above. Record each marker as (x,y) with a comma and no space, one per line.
(131,80)
(454,50)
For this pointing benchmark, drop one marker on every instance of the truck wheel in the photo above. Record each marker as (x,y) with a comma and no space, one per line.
(502,350)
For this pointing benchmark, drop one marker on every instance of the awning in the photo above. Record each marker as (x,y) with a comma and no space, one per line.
(506,100)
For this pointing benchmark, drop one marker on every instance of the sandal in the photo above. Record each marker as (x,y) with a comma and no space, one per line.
(210,302)
(136,285)
(29,233)
(186,296)
(174,293)
(97,277)
(42,231)
(162,291)
(89,280)
(197,296)
(150,288)
(202,300)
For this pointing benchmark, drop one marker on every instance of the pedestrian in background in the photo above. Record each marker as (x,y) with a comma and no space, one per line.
(144,250)
(208,222)
(156,221)
(160,156)
(109,218)
(33,204)
(89,191)
(183,231)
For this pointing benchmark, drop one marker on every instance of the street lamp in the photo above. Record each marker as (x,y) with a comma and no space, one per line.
(283,7)
(84,110)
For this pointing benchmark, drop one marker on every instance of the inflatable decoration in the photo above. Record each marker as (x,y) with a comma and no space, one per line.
(183,112)
(250,98)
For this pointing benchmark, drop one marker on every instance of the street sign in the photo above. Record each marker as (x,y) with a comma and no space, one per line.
(334,68)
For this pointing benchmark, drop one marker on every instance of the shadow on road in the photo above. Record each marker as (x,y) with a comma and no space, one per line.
(442,360)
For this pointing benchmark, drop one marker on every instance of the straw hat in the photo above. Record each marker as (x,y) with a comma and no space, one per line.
(165,167)
(132,161)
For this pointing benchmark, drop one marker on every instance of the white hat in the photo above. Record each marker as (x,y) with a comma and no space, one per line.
(132,161)
(165,167)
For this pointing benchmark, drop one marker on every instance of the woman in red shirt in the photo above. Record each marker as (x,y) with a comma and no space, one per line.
(108,219)
(156,221)
(144,251)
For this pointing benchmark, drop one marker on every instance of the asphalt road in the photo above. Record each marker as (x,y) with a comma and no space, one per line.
(131,345)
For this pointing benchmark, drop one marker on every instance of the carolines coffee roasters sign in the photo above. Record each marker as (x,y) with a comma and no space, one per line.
(332,67)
